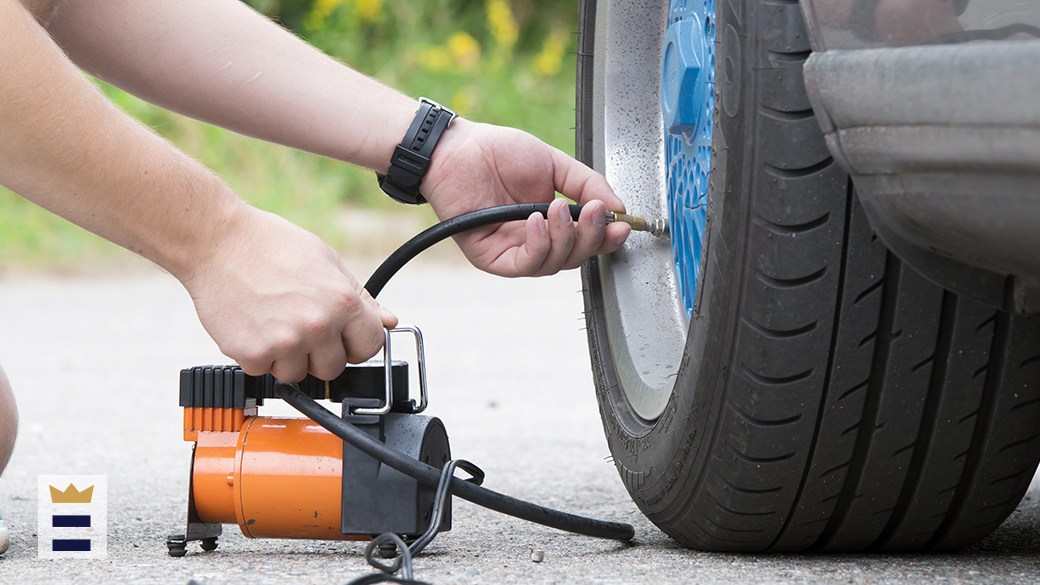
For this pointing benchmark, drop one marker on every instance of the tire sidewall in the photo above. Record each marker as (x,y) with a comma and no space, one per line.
(653,458)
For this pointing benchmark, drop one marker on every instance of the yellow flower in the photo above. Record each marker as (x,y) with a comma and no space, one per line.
(367,10)
(464,49)
(463,100)
(321,10)
(501,23)
(326,6)
(435,59)
(547,62)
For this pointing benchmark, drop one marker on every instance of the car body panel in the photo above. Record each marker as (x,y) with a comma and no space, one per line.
(941,136)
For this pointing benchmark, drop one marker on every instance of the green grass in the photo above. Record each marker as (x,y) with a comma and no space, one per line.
(481,74)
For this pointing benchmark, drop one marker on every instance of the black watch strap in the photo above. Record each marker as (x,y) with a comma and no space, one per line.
(411,158)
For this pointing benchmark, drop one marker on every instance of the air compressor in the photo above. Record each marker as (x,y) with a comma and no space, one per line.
(281,477)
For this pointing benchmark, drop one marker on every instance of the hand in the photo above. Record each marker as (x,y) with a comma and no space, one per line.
(277,299)
(478,165)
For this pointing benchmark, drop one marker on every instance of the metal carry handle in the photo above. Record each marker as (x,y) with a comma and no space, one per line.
(388,377)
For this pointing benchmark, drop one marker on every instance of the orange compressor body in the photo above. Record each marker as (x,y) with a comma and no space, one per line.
(275,478)
(291,478)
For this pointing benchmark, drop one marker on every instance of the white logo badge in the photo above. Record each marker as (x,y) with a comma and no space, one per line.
(72,515)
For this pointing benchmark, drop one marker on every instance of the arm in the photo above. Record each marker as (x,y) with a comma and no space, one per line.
(272,296)
(219,61)
(222,62)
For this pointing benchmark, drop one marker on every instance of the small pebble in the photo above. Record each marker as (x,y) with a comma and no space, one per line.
(537,555)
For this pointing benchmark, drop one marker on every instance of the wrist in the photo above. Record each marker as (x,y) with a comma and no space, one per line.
(443,157)
(209,238)
(386,136)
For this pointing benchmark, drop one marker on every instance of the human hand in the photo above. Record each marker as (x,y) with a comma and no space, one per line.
(478,165)
(277,299)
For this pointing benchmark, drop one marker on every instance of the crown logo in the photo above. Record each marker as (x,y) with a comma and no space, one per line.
(71,495)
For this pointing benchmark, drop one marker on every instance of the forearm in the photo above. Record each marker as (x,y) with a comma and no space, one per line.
(65,147)
(219,61)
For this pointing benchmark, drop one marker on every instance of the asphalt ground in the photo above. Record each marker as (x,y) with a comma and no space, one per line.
(95,361)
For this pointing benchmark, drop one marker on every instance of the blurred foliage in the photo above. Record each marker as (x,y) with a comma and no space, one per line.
(506,62)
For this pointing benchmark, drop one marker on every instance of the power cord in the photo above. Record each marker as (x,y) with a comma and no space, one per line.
(405,552)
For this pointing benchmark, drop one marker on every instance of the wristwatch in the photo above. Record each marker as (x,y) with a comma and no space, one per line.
(411,158)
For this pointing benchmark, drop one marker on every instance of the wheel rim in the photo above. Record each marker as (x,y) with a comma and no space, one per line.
(649,286)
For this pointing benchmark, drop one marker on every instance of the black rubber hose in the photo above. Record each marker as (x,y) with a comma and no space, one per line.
(430,476)
(448,228)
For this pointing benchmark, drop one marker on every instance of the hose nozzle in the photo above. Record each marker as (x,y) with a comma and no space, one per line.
(657,227)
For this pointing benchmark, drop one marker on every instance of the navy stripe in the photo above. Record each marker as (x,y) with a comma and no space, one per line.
(70,521)
(71,545)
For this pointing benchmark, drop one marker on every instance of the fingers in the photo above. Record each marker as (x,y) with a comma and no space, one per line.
(388,319)
(557,242)
(353,332)
(350,329)
(278,300)
(327,361)
(582,184)
(529,257)
(591,235)
(561,236)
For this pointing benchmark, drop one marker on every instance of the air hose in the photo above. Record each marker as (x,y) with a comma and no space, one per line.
(448,228)
(421,472)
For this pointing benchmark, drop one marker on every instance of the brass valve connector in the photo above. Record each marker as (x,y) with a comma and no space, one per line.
(657,227)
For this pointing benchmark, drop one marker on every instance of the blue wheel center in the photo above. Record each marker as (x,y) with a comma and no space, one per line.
(687,107)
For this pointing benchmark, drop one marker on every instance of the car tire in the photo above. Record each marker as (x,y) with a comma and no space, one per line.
(824,396)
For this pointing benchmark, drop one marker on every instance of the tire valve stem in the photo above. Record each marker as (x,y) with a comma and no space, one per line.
(657,227)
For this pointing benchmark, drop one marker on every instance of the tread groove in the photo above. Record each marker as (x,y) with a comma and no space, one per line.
(749,491)
(1009,476)
(1018,443)
(922,363)
(799,173)
(999,504)
(866,292)
(775,380)
(1025,404)
(966,418)
(852,428)
(761,422)
(902,450)
(789,230)
(782,57)
(991,386)
(854,389)
(729,510)
(758,460)
(985,324)
(1029,361)
(929,420)
(771,333)
(736,530)
(788,283)
(871,404)
(792,116)
(833,469)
